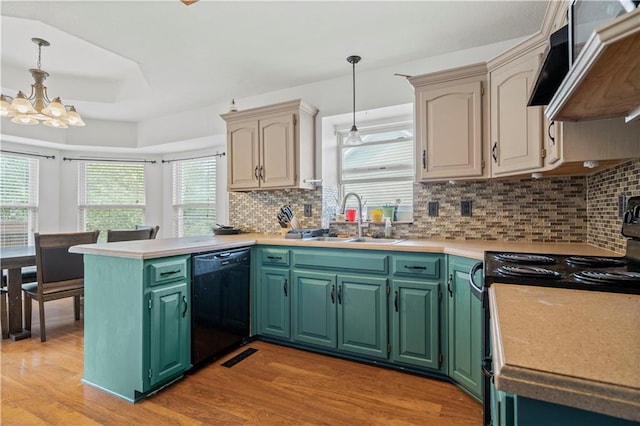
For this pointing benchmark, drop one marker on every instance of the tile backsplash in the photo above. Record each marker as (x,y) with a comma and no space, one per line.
(559,209)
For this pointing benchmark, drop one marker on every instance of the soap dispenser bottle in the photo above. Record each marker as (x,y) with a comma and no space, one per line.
(387,228)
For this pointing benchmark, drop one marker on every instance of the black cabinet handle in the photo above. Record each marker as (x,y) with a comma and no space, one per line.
(286,287)
(449,282)
(274,257)
(395,302)
(415,267)
(333,291)
(186,306)
(165,273)
(494,152)
(255,173)
(424,158)
(262,173)
(340,294)
(553,140)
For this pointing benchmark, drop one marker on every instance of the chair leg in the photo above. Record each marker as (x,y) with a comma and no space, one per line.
(4,315)
(76,307)
(43,333)
(27,311)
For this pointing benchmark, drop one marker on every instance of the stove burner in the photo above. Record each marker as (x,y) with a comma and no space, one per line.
(594,261)
(525,258)
(608,277)
(528,272)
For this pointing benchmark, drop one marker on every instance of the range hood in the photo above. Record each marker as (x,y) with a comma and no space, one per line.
(553,68)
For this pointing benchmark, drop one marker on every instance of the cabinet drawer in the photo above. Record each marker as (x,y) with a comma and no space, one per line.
(415,266)
(341,259)
(276,257)
(166,271)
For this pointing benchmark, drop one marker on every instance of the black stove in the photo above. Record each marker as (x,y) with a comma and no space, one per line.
(597,273)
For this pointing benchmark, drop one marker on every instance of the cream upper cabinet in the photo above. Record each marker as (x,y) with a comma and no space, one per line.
(516,130)
(449,124)
(271,147)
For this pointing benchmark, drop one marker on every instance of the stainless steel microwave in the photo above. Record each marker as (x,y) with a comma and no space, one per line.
(587,15)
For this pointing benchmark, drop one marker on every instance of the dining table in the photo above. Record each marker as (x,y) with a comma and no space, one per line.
(13,259)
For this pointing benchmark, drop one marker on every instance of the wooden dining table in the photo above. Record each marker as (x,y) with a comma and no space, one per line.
(13,259)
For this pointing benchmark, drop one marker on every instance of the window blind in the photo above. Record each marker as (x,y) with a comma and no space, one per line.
(18,200)
(111,195)
(194,196)
(381,170)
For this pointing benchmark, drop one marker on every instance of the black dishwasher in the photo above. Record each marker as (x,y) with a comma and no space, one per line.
(219,303)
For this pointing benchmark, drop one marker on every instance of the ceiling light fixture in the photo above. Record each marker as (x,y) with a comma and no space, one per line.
(37,107)
(354,135)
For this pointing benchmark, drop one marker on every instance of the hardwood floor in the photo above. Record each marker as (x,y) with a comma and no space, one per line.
(274,386)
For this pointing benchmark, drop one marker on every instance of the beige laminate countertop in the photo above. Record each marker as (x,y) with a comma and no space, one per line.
(163,247)
(571,347)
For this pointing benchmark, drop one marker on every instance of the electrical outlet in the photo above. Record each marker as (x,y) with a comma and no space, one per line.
(307,210)
(622,205)
(433,208)
(465,208)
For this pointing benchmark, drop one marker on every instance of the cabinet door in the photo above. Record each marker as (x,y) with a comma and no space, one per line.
(274,304)
(362,315)
(449,131)
(314,308)
(465,327)
(278,151)
(516,129)
(170,342)
(243,153)
(415,323)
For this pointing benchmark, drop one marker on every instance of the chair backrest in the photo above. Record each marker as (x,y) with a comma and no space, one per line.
(54,263)
(114,235)
(153,228)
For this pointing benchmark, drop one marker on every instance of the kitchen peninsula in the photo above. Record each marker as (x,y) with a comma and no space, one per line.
(120,277)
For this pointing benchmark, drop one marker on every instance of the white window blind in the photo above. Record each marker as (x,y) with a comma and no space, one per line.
(194,196)
(380,170)
(111,196)
(18,200)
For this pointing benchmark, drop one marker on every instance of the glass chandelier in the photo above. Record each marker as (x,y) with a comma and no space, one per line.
(38,107)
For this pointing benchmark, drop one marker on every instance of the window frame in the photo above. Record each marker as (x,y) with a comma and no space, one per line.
(177,201)
(33,206)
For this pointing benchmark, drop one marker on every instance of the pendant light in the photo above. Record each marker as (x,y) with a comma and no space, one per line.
(354,135)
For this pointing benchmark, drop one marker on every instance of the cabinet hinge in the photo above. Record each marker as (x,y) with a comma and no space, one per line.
(544,153)
(440,359)
(388,289)
(150,373)
(482,164)
(388,347)
(295,120)
(439,294)
(150,303)
(481,89)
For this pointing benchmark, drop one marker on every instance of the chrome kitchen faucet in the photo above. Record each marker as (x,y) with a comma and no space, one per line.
(359,217)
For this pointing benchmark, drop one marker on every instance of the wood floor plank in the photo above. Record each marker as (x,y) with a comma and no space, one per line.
(277,385)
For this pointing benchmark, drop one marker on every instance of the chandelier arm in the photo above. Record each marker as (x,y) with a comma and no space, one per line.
(32,96)
(45,95)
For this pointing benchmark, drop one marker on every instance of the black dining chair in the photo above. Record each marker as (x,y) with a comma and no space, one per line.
(146,233)
(59,274)
(153,228)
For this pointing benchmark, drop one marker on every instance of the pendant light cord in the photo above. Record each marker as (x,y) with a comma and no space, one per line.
(354,93)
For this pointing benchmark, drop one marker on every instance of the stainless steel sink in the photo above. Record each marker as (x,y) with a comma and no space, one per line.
(363,240)
(371,240)
(334,239)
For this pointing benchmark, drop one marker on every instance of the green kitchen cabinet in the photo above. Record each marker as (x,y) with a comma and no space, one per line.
(275,304)
(465,326)
(314,298)
(416,310)
(415,323)
(137,323)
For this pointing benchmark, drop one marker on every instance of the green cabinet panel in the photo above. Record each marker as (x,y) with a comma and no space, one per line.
(170,318)
(314,297)
(465,326)
(275,305)
(415,323)
(274,256)
(137,327)
(372,262)
(362,315)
